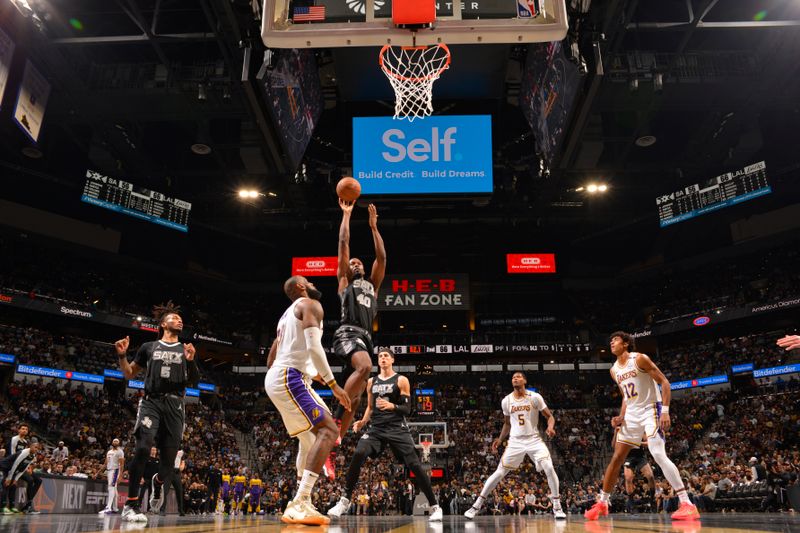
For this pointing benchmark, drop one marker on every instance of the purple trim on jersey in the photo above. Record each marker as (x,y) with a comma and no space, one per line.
(658,419)
(297,388)
(114,479)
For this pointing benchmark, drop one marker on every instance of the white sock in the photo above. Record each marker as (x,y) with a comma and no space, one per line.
(683,496)
(306,484)
(479,502)
(556,503)
(604,496)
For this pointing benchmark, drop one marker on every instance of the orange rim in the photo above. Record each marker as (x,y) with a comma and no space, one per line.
(414,80)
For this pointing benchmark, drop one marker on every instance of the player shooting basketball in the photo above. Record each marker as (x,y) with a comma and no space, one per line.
(352,342)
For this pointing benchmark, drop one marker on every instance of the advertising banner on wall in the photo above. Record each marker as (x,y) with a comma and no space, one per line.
(424,292)
(34,91)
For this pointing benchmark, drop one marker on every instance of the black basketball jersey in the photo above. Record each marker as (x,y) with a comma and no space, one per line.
(389,390)
(165,365)
(359,304)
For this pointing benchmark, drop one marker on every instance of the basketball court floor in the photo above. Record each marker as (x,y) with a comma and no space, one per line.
(711,523)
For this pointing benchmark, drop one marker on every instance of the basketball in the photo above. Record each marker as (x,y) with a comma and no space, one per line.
(348,189)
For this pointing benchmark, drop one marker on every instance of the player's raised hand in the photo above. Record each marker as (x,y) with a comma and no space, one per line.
(122,346)
(495,445)
(664,421)
(616,421)
(347,207)
(341,395)
(373,216)
(789,342)
(189,351)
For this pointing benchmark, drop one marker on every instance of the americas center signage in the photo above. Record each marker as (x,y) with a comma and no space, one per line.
(437,155)
(421,292)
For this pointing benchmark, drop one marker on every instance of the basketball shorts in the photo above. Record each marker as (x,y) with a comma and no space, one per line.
(636,460)
(376,439)
(113,477)
(300,407)
(348,340)
(517,449)
(160,420)
(640,423)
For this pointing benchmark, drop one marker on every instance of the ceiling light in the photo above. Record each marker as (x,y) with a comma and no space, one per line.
(592,188)
(602,188)
(646,140)
(253,194)
(244,194)
(202,95)
(272,194)
(579,189)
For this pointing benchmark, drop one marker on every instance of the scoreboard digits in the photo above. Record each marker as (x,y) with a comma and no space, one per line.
(124,197)
(722,191)
(425,402)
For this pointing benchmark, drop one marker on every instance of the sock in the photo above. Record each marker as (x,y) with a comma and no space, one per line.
(604,496)
(683,496)
(556,503)
(306,484)
(479,502)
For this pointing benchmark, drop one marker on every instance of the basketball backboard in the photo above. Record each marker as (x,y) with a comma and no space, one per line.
(351,23)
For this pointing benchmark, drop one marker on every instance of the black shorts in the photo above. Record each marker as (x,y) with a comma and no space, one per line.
(160,420)
(375,440)
(636,460)
(348,340)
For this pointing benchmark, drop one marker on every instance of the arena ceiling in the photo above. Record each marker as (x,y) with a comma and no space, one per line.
(137,82)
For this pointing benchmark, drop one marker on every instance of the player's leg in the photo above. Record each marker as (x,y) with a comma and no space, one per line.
(356,383)
(511,459)
(540,456)
(367,446)
(144,432)
(647,472)
(169,440)
(621,449)
(686,510)
(305,442)
(402,445)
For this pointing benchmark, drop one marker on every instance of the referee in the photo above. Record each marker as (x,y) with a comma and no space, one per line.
(389,401)
(169,368)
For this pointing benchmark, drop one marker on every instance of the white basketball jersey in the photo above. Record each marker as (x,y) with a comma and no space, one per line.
(113,458)
(292,350)
(524,414)
(638,388)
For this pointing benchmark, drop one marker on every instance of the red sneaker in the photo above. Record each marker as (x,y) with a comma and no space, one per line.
(328,468)
(599,509)
(687,511)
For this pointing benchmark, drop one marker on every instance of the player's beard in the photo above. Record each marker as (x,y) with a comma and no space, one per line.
(314,294)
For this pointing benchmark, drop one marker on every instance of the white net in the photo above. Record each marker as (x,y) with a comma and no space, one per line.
(426,451)
(412,72)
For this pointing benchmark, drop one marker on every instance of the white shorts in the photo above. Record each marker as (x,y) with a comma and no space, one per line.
(113,477)
(300,407)
(640,424)
(516,451)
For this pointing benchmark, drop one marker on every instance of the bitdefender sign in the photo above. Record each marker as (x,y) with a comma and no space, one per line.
(424,292)
(438,155)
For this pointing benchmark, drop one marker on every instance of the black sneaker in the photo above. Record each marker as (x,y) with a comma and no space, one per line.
(156,501)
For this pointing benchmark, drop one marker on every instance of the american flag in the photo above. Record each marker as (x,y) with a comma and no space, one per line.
(305,14)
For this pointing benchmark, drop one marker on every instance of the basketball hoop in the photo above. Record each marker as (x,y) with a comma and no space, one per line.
(412,70)
(426,450)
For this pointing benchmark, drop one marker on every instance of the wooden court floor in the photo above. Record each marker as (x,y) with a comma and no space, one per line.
(710,523)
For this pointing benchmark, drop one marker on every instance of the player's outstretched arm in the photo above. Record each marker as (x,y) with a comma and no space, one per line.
(646,364)
(129,369)
(503,433)
(359,424)
(344,244)
(551,422)
(789,342)
(379,265)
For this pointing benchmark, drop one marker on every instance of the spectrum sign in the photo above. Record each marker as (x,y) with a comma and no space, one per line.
(531,263)
(449,154)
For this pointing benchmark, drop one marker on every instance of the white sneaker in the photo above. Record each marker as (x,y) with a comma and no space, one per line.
(436,514)
(129,514)
(341,507)
(559,514)
(472,513)
(105,512)
(303,512)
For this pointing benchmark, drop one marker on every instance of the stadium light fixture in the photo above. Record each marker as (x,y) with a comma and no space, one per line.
(592,188)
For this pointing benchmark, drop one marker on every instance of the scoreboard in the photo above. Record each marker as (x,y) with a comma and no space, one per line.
(425,402)
(721,191)
(121,196)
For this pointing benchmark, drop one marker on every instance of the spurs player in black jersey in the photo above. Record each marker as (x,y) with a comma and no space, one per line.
(352,342)
(388,403)
(169,368)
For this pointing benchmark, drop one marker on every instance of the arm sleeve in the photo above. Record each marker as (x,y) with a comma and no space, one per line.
(142,355)
(12,447)
(17,469)
(404,407)
(314,343)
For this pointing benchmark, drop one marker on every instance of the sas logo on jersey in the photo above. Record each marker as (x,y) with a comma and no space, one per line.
(146,422)
(168,357)
(515,408)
